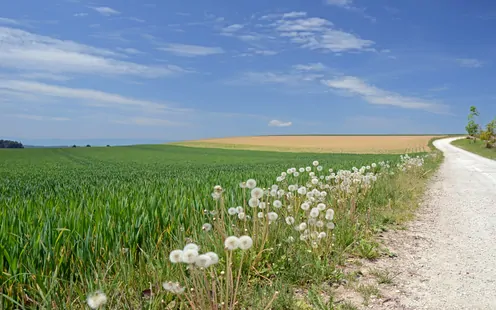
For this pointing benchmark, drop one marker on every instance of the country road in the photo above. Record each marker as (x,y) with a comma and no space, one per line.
(447,258)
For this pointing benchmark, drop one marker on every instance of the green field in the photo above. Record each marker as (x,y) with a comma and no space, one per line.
(478,147)
(76,220)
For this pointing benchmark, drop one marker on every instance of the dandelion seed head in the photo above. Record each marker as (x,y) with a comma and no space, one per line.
(260,215)
(277,204)
(302,226)
(245,242)
(308,169)
(321,206)
(242,185)
(305,206)
(279,179)
(290,220)
(253,202)
(207,227)
(312,221)
(216,196)
(262,205)
(296,174)
(189,256)
(251,183)
(292,188)
(176,256)
(330,225)
(319,168)
(315,181)
(322,235)
(231,243)
(241,215)
(272,216)
(214,258)
(96,300)
(232,211)
(329,214)
(302,190)
(319,224)
(203,261)
(301,170)
(239,209)
(315,163)
(290,239)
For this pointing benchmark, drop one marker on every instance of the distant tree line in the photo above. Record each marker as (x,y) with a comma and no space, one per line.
(8,144)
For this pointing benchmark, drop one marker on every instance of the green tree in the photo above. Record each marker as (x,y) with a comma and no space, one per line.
(472,127)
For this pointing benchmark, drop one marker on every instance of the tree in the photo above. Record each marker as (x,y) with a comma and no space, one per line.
(488,134)
(8,144)
(87,145)
(472,127)
(74,145)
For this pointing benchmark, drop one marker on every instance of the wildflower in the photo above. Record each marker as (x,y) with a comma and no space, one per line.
(290,220)
(241,215)
(302,226)
(232,211)
(330,225)
(174,288)
(214,258)
(262,205)
(239,209)
(329,215)
(251,184)
(373,165)
(319,168)
(280,193)
(279,179)
(321,206)
(290,239)
(302,190)
(289,171)
(242,185)
(305,206)
(218,188)
(207,227)
(319,224)
(314,212)
(231,243)
(292,188)
(296,174)
(257,193)
(261,215)
(301,170)
(314,235)
(203,261)
(245,242)
(216,196)
(308,169)
(253,202)
(272,216)
(277,204)
(176,256)
(315,163)
(189,256)
(274,187)
(96,300)
(191,246)
(312,221)
(322,235)
(315,181)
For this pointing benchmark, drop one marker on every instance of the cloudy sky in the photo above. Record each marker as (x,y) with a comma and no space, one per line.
(173,70)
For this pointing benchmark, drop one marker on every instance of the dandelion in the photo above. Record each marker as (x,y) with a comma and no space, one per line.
(261,215)
(262,205)
(231,243)
(239,209)
(312,221)
(302,190)
(305,206)
(373,165)
(292,188)
(314,235)
(214,258)
(302,226)
(245,242)
(216,196)
(241,215)
(319,224)
(174,288)
(320,168)
(96,300)
(279,179)
(207,227)
(315,181)
(308,169)
(272,216)
(315,163)
(290,239)
(322,235)
(277,204)
(191,246)
(257,193)
(290,220)
(242,185)
(251,184)
(321,206)
(296,174)
(203,261)
(314,212)
(232,211)
(330,225)
(253,202)
(301,170)
(329,215)
(218,188)
(176,256)
(189,256)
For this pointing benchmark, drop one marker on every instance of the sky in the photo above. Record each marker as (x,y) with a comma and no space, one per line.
(149,70)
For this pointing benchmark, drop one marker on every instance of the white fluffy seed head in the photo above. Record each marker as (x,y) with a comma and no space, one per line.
(257,193)
(315,163)
(290,220)
(189,256)
(191,246)
(207,227)
(322,235)
(251,183)
(245,242)
(308,169)
(96,300)
(302,190)
(330,225)
(213,257)
(321,206)
(253,202)
(203,261)
(272,216)
(329,214)
(301,170)
(277,204)
(241,215)
(314,212)
(305,206)
(231,243)
(232,211)
(176,256)
(302,226)
(260,215)
(262,205)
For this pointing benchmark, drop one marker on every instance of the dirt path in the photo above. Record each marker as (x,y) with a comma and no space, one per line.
(447,257)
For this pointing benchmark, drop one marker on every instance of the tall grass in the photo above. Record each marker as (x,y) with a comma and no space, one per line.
(74,221)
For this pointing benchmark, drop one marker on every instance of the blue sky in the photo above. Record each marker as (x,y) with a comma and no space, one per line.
(172,70)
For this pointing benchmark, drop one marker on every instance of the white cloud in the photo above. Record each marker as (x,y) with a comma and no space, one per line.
(129,50)
(469,62)
(44,76)
(277,123)
(319,34)
(87,97)
(191,50)
(8,21)
(311,67)
(374,95)
(80,14)
(294,14)
(104,10)
(341,3)
(32,52)
(40,117)
(255,51)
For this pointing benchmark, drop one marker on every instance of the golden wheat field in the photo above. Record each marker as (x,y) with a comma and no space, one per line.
(334,144)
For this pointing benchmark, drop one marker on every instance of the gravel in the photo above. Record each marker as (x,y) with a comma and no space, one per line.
(447,259)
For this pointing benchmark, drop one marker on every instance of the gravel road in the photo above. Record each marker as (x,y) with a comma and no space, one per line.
(447,260)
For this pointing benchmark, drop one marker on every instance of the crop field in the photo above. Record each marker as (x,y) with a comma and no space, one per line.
(77,220)
(394,144)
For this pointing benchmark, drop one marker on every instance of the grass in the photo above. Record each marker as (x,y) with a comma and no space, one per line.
(73,221)
(478,147)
